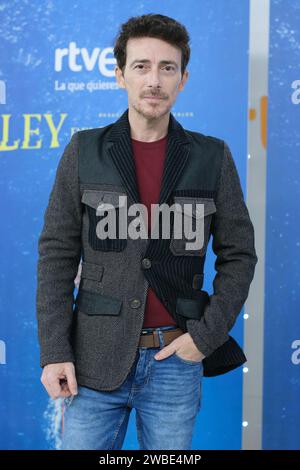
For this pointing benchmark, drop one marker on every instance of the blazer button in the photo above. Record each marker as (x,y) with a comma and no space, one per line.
(146,263)
(135,303)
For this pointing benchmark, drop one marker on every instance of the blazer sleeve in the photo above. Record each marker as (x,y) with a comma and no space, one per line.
(59,252)
(233,245)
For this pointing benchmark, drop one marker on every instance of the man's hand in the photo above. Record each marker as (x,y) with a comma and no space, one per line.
(185,348)
(59,379)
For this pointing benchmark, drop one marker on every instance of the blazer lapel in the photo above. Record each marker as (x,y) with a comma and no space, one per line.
(178,147)
(121,154)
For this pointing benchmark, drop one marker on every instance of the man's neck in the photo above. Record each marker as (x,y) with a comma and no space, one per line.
(147,130)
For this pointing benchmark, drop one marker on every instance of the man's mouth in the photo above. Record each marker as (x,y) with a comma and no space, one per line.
(153,98)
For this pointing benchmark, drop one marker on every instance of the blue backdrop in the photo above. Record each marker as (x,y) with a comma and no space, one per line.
(282,325)
(56,76)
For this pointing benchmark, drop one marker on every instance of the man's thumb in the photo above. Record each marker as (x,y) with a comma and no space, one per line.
(72,382)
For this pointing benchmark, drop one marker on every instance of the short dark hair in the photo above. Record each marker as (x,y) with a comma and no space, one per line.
(154,26)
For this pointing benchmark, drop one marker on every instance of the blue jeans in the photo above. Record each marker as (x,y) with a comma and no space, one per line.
(166,395)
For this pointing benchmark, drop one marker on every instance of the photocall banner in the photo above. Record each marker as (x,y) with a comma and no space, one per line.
(281,407)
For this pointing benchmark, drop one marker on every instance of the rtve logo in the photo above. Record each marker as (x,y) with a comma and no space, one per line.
(76,59)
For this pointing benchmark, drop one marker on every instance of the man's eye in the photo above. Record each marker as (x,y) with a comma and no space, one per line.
(139,66)
(169,68)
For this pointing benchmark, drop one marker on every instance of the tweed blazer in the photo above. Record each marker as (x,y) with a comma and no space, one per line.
(98,326)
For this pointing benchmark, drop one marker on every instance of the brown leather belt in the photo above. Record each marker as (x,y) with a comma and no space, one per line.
(150,339)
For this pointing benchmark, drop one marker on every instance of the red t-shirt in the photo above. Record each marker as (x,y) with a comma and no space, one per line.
(149,164)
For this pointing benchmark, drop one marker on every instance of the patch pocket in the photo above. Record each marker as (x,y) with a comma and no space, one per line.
(192,308)
(91,276)
(191,215)
(103,209)
(92,303)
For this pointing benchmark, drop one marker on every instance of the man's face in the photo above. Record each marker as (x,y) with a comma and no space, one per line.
(152,76)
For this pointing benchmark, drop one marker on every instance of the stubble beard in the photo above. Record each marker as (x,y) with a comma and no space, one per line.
(156,113)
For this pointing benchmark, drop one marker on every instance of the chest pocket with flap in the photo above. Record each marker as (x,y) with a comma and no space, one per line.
(105,219)
(196,218)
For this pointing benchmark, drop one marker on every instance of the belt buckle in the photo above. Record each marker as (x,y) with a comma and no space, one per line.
(154,333)
(145,332)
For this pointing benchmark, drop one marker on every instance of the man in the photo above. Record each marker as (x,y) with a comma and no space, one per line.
(142,333)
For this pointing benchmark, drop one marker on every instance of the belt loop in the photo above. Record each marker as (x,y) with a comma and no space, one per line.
(156,339)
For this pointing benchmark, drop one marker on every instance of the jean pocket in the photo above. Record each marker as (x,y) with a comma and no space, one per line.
(103,210)
(187,361)
(191,225)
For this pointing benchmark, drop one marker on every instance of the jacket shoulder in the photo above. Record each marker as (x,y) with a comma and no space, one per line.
(198,137)
(87,134)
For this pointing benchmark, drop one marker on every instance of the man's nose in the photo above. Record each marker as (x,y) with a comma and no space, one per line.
(153,78)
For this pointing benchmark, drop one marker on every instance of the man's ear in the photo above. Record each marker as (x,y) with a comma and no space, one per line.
(185,76)
(119,77)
